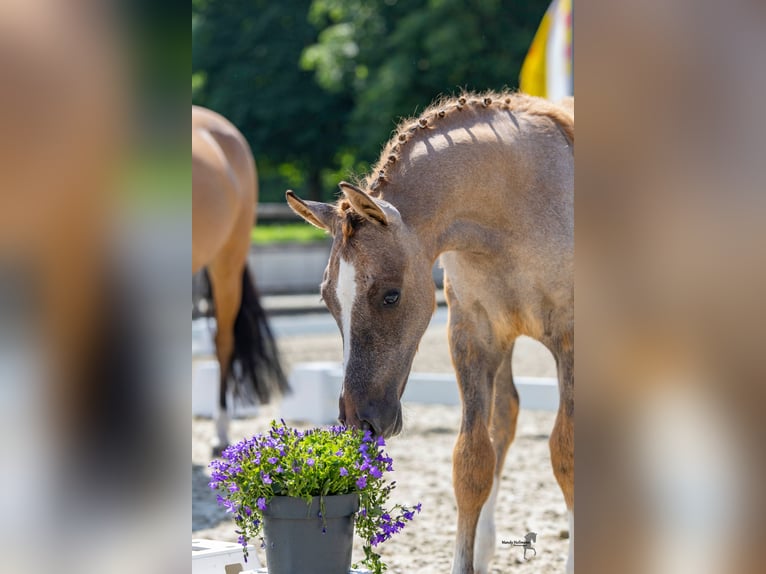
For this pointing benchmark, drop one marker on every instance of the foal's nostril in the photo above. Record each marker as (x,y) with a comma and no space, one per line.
(368,426)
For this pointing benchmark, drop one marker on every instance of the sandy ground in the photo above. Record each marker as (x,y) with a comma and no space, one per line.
(529,498)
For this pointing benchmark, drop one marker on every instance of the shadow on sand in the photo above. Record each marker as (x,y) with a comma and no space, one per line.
(205,510)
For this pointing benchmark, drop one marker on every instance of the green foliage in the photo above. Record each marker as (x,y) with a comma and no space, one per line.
(266,234)
(250,51)
(407,53)
(320,84)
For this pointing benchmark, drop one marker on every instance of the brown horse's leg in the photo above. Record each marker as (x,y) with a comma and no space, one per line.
(476,358)
(562,442)
(502,431)
(226,283)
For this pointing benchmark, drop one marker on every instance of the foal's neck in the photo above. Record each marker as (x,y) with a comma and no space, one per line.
(451,206)
(477,183)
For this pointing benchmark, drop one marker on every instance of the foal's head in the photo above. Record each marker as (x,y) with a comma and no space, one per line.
(379,288)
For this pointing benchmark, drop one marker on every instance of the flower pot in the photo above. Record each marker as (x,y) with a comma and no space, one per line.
(299,541)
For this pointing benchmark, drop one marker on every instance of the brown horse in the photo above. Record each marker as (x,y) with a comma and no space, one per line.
(224,196)
(486,182)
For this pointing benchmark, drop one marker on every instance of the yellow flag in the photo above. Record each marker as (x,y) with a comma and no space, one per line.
(547,69)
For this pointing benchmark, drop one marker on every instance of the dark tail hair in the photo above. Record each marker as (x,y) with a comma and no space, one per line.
(255,372)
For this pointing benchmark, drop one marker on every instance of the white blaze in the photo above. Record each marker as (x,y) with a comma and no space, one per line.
(345,291)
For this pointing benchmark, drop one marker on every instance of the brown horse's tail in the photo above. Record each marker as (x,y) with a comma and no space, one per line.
(255,370)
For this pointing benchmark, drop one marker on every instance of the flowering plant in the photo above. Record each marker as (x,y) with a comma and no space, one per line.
(303,464)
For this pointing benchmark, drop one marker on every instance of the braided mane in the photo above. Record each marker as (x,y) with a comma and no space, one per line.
(450,106)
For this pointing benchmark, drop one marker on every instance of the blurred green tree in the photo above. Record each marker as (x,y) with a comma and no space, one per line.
(398,56)
(246,66)
(318,85)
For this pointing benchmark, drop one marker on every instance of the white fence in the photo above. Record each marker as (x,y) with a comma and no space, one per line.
(284,268)
(316,387)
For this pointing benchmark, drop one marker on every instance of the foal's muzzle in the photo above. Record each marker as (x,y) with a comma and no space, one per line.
(382,420)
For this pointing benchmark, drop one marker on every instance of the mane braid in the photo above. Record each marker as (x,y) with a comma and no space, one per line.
(449,106)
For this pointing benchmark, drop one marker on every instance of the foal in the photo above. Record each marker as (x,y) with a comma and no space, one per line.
(486,183)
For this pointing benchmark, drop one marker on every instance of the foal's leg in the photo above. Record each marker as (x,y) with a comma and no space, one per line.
(476,358)
(562,442)
(502,432)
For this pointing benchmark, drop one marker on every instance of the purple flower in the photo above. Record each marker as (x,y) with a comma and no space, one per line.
(418,506)
(282,450)
(229,505)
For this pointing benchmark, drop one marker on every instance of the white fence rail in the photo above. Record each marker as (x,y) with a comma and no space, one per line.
(316,387)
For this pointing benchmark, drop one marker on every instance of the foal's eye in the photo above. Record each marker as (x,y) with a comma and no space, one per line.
(391,297)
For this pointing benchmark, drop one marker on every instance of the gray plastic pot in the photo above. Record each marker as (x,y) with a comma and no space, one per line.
(295,540)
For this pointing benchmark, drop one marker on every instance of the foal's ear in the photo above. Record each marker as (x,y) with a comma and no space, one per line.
(321,215)
(363,204)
